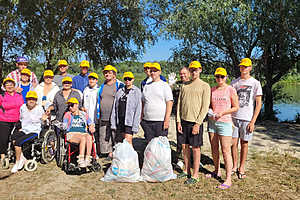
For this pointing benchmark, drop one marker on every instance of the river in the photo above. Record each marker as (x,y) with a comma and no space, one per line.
(288,111)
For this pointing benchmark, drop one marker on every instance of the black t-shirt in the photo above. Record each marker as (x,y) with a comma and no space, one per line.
(122,106)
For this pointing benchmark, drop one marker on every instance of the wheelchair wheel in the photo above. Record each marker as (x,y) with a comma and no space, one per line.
(30,165)
(61,152)
(49,146)
(5,164)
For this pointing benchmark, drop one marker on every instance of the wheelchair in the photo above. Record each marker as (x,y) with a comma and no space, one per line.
(67,153)
(39,149)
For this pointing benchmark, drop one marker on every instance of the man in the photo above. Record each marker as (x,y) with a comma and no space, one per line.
(157,101)
(63,68)
(184,75)
(249,92)
(192,107)
(148,79)
(106,95)
(81,80)
(22,63)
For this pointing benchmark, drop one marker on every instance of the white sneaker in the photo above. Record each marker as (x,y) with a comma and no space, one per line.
(15,167)
(88,162)
(21,163)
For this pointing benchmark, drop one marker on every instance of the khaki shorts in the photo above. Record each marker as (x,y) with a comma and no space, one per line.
(72,134)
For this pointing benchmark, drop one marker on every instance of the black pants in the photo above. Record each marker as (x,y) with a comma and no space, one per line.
(5,131)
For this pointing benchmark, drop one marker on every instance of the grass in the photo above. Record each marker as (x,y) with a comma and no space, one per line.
(269,176)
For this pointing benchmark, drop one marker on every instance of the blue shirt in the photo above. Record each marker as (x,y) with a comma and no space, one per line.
(80,82)
(24,91)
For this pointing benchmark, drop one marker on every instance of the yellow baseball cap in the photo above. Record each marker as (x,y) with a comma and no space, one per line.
(72,100)
(26,71)
(195,64)
(147,64)
(31,94)
(156,66)
(48,73)
(85,63)
(94,75)
(67,79)
(62,62)
(246,62)
(128,75)
(221,71)
(8,79)
(110,68)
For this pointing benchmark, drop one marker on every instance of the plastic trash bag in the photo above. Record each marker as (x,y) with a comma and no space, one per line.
(124,166)
(157,165)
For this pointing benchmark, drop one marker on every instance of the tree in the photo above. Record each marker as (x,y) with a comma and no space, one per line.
(220,33)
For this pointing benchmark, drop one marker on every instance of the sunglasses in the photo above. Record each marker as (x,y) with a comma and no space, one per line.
(127,79)
(62,66)
(50,77)
(242,66)
(220,76)
(30,98)
(67,82)
(71,105)
(153,71)
(146,68)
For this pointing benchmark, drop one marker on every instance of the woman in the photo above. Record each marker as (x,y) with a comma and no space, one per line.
(224,101)
(127,107)
(76,122)
(46,90)
(10,103)
(61,97)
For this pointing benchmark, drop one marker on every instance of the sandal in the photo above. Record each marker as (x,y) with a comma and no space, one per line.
(192,180)
(223,186)
(234,172)
(241,175)
(212,175)
(182,175)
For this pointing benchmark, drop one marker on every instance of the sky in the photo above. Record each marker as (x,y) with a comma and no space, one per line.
(160,51)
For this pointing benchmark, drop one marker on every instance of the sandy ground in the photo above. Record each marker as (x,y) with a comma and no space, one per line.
(49,182)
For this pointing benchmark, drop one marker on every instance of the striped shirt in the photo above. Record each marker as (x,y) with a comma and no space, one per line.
(16,75)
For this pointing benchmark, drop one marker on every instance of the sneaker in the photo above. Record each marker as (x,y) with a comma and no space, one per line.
(192,180)
(88,160)
(182,175)
(22,162)
(81,161)
(15,167)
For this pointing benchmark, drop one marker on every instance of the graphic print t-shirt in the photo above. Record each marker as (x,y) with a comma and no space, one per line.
(78,124)
(221,101)
(247,90)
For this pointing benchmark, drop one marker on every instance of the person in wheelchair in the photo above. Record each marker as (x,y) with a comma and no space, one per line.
(76,123)
(31,117)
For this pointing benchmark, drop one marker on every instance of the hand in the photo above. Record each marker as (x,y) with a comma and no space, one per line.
(172,78)
(250,127)
(195,130)
(19,90)
(179,128)
(48,111)
(166,124)
(218,115)
(92,129)
(44,117)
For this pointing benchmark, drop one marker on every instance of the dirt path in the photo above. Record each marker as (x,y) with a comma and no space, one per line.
(49,182)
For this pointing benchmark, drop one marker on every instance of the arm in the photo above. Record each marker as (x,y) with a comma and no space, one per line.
(258,105)
(169,105)
(137,113)
(114,115)
(178,119)
(234,106)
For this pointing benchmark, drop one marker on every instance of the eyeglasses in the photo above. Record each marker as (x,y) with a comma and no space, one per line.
(153,71)
(71,105)
(127,79)
(220,76)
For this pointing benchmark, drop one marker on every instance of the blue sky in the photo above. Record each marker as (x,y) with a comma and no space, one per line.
(160,51)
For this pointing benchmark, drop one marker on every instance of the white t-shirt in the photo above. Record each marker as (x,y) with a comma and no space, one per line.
(31,119)
(247,90)
(90,101)
(155,95)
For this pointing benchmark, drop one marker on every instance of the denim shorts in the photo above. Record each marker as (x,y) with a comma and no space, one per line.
(221,128)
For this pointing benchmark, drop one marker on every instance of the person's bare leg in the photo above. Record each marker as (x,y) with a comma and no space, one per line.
(234,153)
(196,164)
(226,150)
(81,140)
(18,153)
(186,158)
(244,152)
(128,137)
(89,144)
(214,143)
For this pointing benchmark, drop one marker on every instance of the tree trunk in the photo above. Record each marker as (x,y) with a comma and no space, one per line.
(1,58)
(268,102)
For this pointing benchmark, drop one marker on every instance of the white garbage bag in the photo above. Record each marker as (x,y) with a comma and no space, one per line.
(157,165)
(124,166)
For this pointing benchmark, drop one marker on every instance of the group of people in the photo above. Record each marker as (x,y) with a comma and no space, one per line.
(114,110)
